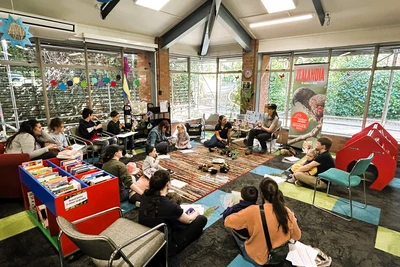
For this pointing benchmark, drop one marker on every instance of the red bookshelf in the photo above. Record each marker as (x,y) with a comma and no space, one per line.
(73,205)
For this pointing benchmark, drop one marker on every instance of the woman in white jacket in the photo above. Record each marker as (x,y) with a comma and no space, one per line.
(26,141)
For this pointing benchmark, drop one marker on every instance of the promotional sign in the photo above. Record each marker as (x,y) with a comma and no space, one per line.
(308,102)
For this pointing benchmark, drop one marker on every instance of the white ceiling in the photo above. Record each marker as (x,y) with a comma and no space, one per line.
(131,18)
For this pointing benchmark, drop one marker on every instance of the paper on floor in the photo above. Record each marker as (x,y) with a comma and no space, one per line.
(302,255)
(197,207)
(277,179)
(177,183)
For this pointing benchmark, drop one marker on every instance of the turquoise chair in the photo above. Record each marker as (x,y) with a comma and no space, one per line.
(346,179)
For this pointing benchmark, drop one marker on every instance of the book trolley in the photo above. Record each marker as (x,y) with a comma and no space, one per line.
(72,205)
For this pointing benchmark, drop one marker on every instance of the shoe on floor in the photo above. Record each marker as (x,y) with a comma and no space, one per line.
(322,260)
(263,151)
(298,183)
(291,180)
(127,155)
(210,149)
(249,151)
(133,152)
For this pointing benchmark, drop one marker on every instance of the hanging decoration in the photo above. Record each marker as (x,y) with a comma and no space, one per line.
(113,84)
(118,78)
(83,84)
(100,84)
(53,83)
(137,82)
(62,86)
(106,80)
(94,80)
(70,83)
(125,87)
(282,75)
(76,80)
(15,31)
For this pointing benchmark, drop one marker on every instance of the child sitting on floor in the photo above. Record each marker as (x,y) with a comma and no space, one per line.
(310,156)
(249,195)
(183,138)
(175,197)
(151,163)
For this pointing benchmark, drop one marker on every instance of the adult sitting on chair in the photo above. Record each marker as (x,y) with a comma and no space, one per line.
(158,139)
(90,130)
(156,208)
(263,130)
(115,127)
(323,162)
(222,136)
(26,141)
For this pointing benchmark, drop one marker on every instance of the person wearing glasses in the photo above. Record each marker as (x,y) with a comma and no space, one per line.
(264,129)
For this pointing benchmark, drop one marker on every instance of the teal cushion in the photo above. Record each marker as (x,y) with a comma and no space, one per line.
(337,176)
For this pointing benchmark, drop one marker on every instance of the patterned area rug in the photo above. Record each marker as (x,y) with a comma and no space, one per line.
(199,183)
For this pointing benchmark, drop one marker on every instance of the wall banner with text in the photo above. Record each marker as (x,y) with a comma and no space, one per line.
(308,102)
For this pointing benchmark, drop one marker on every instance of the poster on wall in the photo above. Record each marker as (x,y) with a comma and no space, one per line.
(308,103)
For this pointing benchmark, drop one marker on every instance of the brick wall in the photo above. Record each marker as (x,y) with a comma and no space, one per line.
(144,76)
(264,85)
(250,61)
(163,78)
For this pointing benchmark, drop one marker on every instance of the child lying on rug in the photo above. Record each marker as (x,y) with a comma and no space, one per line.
(249,195)
(310,156)
(151,163)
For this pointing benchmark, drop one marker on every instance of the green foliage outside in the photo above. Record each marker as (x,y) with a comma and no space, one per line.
(347,90)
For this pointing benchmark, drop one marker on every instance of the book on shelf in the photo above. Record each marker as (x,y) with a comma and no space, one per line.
(42,170)
(33,164)
(99,179)
(42,215)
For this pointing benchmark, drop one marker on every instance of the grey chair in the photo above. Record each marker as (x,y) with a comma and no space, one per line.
(123,243)
(274,136)
(89,148)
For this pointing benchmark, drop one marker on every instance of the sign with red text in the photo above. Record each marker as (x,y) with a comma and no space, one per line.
(308,102)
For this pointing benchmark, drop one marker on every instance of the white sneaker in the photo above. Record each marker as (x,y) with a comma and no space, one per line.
(128,155)
(203,140)
(133,152)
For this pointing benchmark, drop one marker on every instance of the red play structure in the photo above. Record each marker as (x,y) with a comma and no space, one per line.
(372,139)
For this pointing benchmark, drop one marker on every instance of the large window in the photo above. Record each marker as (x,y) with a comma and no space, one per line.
(200,87)
(67,81)
(348,86)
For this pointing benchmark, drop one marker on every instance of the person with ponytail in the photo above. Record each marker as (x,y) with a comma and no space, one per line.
(128,190)
(222,136)
(264,129)
(27,140)
(156,208)
(282,224)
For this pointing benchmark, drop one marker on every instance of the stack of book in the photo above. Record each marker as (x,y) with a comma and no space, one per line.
(95,177)
(51,179)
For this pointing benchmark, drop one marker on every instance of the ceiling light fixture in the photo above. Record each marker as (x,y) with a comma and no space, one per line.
(152,4)
(273,6)
(279,21)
